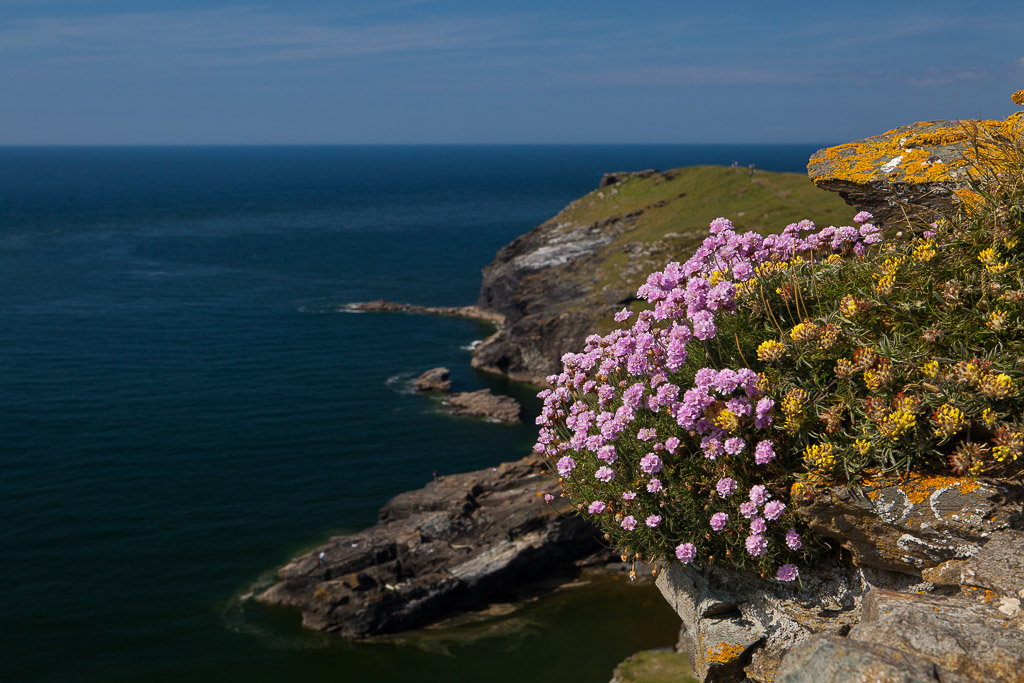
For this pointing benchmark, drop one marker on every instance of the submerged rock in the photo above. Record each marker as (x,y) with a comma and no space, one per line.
(461,541)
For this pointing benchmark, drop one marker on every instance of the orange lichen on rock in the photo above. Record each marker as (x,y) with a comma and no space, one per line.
(724,652)
(924,152)
(916,487)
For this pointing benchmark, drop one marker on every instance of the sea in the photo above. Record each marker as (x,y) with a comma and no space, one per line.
(186,402)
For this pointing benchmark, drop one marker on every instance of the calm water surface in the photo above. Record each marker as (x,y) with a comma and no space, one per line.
(183,407)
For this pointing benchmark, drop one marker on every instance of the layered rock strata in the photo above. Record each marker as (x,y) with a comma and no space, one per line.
(459,542)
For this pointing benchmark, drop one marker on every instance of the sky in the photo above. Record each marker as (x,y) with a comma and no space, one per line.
(516,71)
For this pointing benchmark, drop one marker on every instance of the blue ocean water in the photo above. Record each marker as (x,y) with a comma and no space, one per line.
(184,405)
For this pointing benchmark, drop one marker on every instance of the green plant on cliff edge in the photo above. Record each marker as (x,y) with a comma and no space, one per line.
(766,365)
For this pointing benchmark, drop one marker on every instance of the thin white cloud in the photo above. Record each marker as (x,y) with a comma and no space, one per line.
(236,35)
(684,75)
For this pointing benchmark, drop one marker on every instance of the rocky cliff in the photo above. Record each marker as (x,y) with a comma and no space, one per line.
(565,279)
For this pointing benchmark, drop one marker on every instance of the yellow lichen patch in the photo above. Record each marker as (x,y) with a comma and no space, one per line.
(909,154)
(724,652)
(1018,97)
(919,487)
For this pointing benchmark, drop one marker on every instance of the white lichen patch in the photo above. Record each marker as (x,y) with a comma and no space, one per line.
(890,165)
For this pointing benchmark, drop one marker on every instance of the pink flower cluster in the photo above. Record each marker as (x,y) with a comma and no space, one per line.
(619,422)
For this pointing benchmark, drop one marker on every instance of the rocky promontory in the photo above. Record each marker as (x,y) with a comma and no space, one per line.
(567,277)
(459,542)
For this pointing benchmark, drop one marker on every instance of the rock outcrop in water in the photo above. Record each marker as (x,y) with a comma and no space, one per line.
(459,542)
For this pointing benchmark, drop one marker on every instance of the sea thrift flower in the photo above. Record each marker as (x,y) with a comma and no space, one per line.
(757,545)
(671,444)
(628,495)
(605,474)
(758,494)
(764,453)
(653,521)
(629,523)
(757,525)
(793,540)
(725,487)
(565,466)
(748,509)
(719,520)
(787,572)
(597,507)
(654,485)
(862,217)
(734,445)
(686,552)
(607,453)
(650,463)
(774,509)
(623,315)
(548,498)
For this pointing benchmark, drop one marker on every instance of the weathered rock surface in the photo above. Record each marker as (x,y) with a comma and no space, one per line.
(460,541)
(435,380)
(383,306)
(957,634)
(483,403)
(909,171)
(737,626)
(832,659)
(915,522)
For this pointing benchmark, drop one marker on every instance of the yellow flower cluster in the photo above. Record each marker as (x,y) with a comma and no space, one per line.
(991,261)
(727,420)
(878,378)
(770,351)
(1009,445)
(804,332)
(848,306)
(793,408)
(885,285)
(862,446)
(829,336)
(995,386)
(845,368)
(948,420)
(930,369)
(924,251)
(820,458)
(897,422)
(996,321)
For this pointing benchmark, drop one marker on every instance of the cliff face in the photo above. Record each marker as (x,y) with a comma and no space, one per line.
(565,279)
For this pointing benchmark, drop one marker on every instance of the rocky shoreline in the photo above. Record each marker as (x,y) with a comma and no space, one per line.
(461,541)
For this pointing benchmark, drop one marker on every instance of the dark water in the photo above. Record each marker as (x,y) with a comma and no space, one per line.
(183,408)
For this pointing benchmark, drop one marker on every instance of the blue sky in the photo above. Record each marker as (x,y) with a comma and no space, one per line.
(523,71)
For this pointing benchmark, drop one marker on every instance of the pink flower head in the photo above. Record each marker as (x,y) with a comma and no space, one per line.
(628,495)
(774,509)
(725,487)
(646,434)
(734,445)
(650,463)
(629,523)
(719,520)
(607,453)
(548,498)
(623,315)
(686,552)
(605,474)
(756,545)
(758,494)
(757,525)
(764,453)
(793,540)
(748,509)
(862,217)
(565,466)
(597,507)
(671,444)
(787,572)
(653,521)
(654,485)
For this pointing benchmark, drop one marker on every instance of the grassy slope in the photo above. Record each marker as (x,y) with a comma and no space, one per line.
(676,214)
